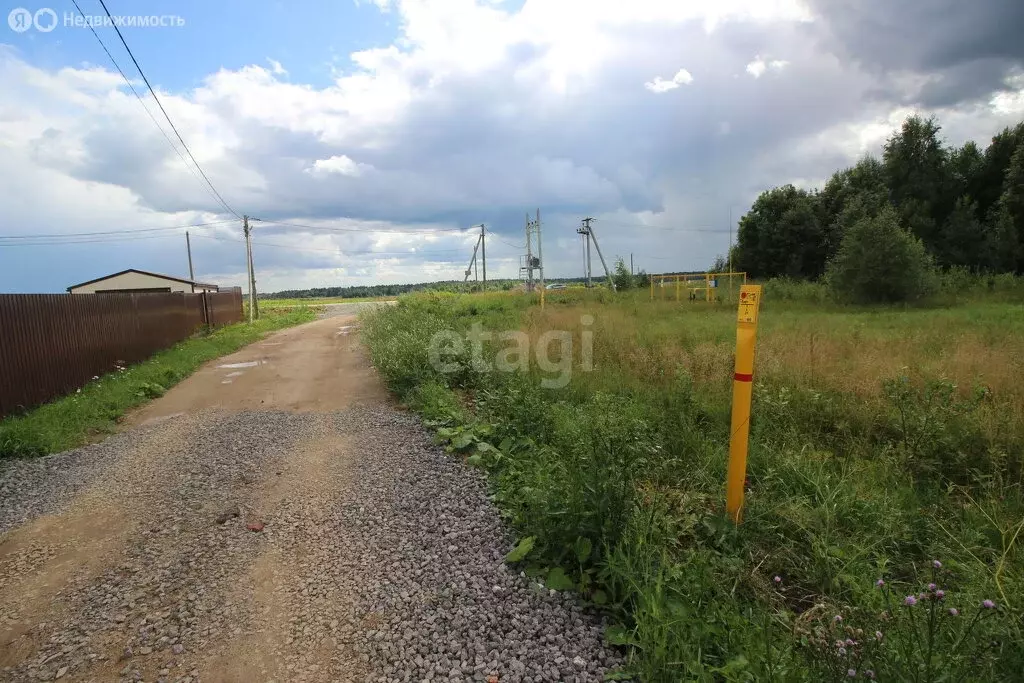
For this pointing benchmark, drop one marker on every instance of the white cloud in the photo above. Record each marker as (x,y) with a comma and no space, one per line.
(340,164)
(759,66)
(660,85)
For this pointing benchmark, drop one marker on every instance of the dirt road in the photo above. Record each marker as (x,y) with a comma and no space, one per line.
(273,517)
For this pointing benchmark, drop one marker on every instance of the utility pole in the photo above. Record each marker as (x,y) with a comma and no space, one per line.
(588,231)
(540,257)
(255,292)
(248,265)
(483,251)
(529,254)
(584,230)
(191,273)
(472,263)
(631,264)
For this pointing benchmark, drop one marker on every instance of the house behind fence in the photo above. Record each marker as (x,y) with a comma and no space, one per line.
(53,344)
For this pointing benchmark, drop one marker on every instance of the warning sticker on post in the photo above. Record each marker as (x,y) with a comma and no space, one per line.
(750,302)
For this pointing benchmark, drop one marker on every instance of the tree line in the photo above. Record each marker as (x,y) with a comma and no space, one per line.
(878,229)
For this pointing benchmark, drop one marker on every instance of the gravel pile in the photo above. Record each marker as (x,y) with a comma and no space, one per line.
(381,559)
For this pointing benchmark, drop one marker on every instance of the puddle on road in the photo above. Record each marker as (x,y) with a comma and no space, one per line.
(236,373)
(246,364)
(343,330)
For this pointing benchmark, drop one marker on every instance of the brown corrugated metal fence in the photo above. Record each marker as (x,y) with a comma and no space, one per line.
(52,344)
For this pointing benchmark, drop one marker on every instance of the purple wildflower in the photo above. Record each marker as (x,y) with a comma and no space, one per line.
(988,604)
(838,618)
(878,635)
(880,583)
(849,641)
(936,564)
(939,594)
(954,612)
(931,587)
(910,601)
(778,579)
(852,673)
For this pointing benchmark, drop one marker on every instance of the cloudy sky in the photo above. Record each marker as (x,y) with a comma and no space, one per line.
(370,135)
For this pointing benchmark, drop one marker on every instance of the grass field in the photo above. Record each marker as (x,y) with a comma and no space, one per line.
(272,304)
(882,440)
(84,416)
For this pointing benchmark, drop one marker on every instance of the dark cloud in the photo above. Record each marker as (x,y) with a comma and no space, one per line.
(963,49)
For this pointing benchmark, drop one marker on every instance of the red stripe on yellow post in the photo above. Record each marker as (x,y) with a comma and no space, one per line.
(742,389)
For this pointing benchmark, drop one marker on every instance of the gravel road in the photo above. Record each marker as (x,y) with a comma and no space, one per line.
(273,545)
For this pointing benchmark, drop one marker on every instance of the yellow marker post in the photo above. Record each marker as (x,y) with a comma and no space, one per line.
(677,288)
(742,390)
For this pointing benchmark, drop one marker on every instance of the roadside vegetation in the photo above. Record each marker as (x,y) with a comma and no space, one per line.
(883,439)
(884,514)
(94,410)
(315,302)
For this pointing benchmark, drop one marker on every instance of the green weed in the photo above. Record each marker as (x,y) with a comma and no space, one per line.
(614,484)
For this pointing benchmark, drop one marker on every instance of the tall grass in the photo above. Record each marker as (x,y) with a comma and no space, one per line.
(882,439)
(94,410)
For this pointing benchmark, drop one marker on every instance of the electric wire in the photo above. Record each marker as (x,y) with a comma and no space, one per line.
(112,232)
(322,228)
(338,250)
(658,227)
(141,101)
(166,116)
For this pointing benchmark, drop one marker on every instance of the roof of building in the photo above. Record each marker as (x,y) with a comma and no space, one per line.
(204,285)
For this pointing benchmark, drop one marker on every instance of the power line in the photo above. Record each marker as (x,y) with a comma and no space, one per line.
(659,227)
(160,104)
(515,246)
(336,250)
(141,101)
(327,228)
(87,240)
(112,232)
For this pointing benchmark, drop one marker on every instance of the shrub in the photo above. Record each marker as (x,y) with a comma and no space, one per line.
(880,262)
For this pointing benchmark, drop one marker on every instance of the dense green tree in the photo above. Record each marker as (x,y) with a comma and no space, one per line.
(965,239)
(964,204)
(880,262)
(918,178)
(782,235)
(862,184)
(1008,225)
(966,165)
(988,186)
